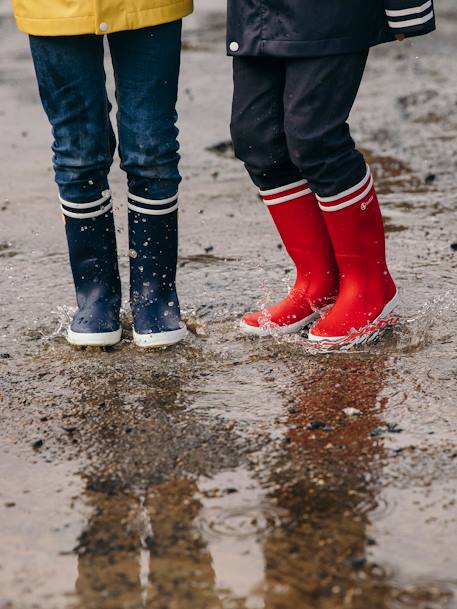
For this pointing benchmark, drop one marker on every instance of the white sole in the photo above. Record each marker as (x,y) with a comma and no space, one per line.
(94,339)
(269,328)
(361,338)
(160,339)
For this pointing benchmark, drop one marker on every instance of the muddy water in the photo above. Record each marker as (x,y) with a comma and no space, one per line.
(229,473)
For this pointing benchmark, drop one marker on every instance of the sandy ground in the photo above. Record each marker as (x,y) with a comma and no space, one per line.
(195,478)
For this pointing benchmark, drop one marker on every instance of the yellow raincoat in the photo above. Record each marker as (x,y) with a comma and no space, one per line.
(72,17)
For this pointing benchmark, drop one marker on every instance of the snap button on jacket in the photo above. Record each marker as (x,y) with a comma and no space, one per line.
(73,17)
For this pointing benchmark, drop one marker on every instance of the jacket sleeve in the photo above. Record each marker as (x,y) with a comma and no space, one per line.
(410,17)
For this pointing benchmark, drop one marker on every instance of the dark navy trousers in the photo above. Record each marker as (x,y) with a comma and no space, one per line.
(71,81)
(289,120)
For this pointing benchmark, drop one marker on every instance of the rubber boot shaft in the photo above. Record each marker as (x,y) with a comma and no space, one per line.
(93,259)
(153,242)
(302,229)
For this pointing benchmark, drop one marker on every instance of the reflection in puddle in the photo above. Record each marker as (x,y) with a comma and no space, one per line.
(234,519)
(202,490)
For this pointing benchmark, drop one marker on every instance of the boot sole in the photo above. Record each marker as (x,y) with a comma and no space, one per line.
(269,329)
(363,336)
(94,339)
(160,339)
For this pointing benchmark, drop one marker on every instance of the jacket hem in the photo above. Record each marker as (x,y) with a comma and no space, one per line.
(321,48)
(315,48)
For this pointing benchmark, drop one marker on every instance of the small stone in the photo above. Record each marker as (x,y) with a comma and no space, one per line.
(209,249)
(430,178)
(394,428)
(231,490)
(320,425)
(352,412)
(38,443)
(316,425)
(358,563)
(5,355)
(378,431)
(454,246)
(10,504)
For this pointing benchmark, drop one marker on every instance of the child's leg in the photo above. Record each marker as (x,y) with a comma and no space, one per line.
(259,141)
(319,96)
(71,81)
(146,64)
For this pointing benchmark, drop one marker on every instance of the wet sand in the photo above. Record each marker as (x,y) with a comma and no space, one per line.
(228,473)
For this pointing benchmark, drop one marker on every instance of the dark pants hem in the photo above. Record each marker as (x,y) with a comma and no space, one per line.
(289,120)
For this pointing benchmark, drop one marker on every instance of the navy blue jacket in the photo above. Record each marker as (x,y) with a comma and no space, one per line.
(313,28)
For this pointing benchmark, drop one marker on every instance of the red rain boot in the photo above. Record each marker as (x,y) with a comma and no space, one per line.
(367,293)
(296,214)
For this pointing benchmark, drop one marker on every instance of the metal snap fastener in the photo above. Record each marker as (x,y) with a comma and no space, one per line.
(104,27)
(234,46)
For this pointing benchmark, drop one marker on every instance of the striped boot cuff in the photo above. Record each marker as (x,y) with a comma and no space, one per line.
(84,211)
(296,190)
(348,197)
(153,207)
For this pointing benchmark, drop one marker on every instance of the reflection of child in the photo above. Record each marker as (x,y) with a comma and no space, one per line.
(144,37)
(298,65)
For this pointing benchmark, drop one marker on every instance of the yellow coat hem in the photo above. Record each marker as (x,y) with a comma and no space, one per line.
(75,26)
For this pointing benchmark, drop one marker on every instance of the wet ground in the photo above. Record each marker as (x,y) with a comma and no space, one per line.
(229,473)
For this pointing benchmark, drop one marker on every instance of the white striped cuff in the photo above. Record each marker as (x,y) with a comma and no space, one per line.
(347,197)
(290,192)
(84,211)
(153,207)
(412,16)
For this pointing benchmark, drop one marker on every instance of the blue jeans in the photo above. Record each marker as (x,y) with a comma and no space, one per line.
(71,79)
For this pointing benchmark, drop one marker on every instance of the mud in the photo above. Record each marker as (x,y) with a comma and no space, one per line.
(229,473)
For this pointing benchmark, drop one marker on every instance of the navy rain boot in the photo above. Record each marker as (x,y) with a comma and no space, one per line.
(153,242)
(92,247)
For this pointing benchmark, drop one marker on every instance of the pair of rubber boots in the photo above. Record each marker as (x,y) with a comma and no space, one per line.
(338,247)
(153,243)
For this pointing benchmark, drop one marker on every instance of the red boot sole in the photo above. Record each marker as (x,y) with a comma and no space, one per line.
(364,335)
